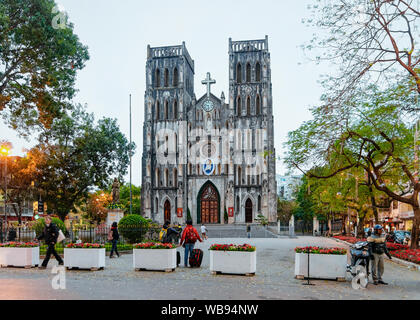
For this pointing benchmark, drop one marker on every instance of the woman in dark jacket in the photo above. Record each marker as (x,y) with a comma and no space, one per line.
(115,238)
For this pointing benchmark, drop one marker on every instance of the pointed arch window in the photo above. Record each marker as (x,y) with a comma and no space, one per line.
(239,73)
(176,78)
(175,178)
(166,110)
(157,78)
(238,106)
(258,72)
(166,178)
(239,181)
(157,177)
(175,109)
(248,72)
(166,78)
(157,110)
(248,106)
(258,105)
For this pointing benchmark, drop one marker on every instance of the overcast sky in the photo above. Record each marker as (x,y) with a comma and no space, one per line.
(118,32)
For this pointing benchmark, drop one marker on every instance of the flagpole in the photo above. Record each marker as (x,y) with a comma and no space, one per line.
(131,194)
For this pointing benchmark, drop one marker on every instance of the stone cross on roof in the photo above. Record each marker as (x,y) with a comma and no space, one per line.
(208,82)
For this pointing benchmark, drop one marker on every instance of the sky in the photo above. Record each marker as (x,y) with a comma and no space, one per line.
(117,34)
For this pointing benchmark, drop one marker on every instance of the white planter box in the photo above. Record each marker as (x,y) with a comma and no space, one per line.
(154,259)
(321,266)
(84,258)
(19,257)
(233,262)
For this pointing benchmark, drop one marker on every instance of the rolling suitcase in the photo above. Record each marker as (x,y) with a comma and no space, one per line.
(196,258)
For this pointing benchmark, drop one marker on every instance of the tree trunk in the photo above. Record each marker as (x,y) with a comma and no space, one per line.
(360,227)
(373,201)
(415,230)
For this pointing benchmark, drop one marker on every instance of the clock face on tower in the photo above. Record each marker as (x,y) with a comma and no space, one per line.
(208,106)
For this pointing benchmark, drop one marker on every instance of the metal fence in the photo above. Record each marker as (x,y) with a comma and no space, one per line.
(337,226)
(304,227)
(90,235)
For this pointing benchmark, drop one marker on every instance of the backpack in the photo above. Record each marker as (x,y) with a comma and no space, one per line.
(162,235)
(190,236)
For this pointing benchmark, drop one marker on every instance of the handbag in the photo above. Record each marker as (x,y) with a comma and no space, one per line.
(61,236)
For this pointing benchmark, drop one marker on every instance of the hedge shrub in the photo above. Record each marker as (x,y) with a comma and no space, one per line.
(133,228)
(40,225)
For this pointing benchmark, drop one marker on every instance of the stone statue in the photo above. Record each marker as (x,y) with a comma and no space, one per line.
(115,191)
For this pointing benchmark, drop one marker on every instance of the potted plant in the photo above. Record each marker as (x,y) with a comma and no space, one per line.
(154,256)
(19,254)
(84,256)
(324,263)
(233,259)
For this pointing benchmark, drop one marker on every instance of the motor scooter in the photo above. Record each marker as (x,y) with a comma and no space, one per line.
(359,267)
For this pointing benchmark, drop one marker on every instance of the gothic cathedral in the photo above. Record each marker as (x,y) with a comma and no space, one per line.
(209,159)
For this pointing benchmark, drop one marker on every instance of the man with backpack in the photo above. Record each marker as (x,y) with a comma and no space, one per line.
(188,240)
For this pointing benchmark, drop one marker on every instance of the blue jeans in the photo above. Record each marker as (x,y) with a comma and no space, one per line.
(189,247)
(114,248)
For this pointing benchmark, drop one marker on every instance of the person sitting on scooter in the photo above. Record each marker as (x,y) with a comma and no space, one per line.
(377,249)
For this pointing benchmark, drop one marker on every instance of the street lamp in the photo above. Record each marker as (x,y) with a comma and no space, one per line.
(4,151)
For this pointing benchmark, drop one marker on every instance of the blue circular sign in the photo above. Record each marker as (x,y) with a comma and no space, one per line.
(208,167)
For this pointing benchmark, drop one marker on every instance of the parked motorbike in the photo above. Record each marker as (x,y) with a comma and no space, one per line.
(390,237)
(359,267)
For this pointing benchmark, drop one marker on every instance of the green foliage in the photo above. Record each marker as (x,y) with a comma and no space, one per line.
(189,215)
(226,217)
(124,203)
(305,205)
(285,210)
(39,64)
(40,225)
(133,228)
(262,220)
(77,154)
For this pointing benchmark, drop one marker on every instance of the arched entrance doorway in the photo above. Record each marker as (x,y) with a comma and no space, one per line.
(208,205)
(248,211)
(167,211)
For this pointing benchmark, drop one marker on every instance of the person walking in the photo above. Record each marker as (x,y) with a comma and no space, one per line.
(114,236)
(204,231)
(248,230)
(50,236)
(377,249)
(188,240)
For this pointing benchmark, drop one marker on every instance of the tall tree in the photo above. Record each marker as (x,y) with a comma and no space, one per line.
(21,172)
(370,132)
(371,41)
(96,208)
(77,154)
(38,63)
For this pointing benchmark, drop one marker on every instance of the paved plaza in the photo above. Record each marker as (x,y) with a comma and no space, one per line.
(274,279)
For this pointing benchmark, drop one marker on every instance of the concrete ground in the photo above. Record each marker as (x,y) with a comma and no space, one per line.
(274,279)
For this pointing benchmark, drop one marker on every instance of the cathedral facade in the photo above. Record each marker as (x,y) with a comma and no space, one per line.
(211,159)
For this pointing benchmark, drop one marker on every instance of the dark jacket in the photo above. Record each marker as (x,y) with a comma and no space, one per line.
(115,234)
(377,244)
(49,234)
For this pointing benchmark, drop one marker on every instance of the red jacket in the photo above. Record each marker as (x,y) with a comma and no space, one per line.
(185,233)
